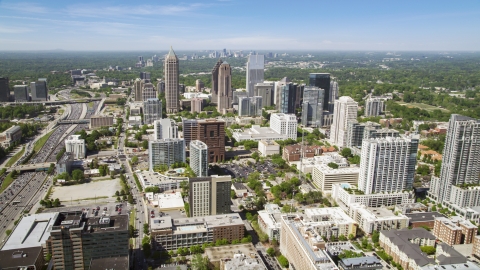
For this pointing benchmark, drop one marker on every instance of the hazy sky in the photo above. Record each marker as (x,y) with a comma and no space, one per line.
(240,24)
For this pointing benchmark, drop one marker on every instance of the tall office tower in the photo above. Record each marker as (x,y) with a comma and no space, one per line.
(138,88)
(333,95)
(140,59)
(199,85)
(460,163)
(165,129)
(237,95)
(161,87)
(145,76)
(266,91)
(299,95)
(199,158)
(171,82)
(255,72)
(21,93)
(80,241)
(196,105)
(244,106)
(4,89)
(250,106)
(148,92)
(225,94)
(165,152)
(215,80)
(285,94)
(322,80)
(39,90)
(210,195)
(388,164)
(209,131)
(181,88)
(152,110)
(312,107)
(75,145)
(345,110)
(374,106)
(285,124)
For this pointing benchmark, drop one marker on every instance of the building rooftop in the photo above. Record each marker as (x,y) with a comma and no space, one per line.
(242,262)
(170,200)
(239,186)
(110,263)
(155,178)
(424,216)
(15,258)
(13,129)
(31,231)
(362,262)
(194,224)
(269,143)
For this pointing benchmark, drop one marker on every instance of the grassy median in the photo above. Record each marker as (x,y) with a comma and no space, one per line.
(14,159)
(40,143)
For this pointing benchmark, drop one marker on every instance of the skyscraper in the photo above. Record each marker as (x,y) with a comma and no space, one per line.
(21,93)
(145,76)
(196,105)
(165,129)
(76,146)
(209,131)
(138,88)
(165,152)
(250,106)
(215,80)
(210,195)
(374,106)
(322,80)
(388,164)
(171,82)
(199,158)
(225,94)
(152,110)
(345,110)
(285,95)
(148,91)
(461,161)
(266,91)
(39,90)
(312,107)
(255,72)
(285,124)
(199,85)
(4,89)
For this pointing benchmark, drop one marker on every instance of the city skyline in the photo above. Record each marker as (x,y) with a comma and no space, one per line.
(244,25)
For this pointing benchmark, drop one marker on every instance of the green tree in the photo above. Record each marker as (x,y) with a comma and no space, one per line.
(375,236)
(78,175)
(199,262)
(333,165)
(145,144)
(430,250)
(346,152)
(134,159)
(271,252)
(283,261)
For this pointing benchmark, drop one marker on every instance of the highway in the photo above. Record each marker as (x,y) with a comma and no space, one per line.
(24,191)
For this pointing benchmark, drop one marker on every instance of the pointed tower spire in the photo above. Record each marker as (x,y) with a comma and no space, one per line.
(171,52)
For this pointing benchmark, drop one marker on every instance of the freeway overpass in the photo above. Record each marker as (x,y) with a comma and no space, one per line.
(33,167)
(74,121)
(56,102)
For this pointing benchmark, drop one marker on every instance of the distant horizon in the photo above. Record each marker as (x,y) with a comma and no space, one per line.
(375,25)
(246,50)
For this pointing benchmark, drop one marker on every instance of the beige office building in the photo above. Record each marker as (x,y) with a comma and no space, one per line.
(324,177)
(210,195)
(225,94)
(171,82)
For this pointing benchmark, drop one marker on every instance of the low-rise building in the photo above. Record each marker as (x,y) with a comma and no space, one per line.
(422,219)
(294,152)
(257,133)
(324,177)
(76,146)
(454,231)
(171,234)
(269,220)
(241,261)
(302,245)
(163,181)
(166,201)
(97,121)
(376,219)
(134,121)
(136,108)
(268,148)
(248,120)
(346,194)
(411,208)
(361,263)
(11,136)
(24,258)
(331,222)
(240,189)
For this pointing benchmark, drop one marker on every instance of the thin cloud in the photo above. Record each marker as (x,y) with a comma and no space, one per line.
(13,30)
(24,7)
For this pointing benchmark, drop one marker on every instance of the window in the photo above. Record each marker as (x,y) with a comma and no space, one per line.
(212,133)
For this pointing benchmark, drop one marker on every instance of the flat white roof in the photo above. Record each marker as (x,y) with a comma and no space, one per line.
(170,200)
(31,231)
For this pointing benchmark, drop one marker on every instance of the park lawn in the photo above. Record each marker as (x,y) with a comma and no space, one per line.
(39,144)
(14,159)
(422,106)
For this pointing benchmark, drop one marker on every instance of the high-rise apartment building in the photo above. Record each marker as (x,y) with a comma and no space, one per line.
(388,164)
(20,93)
(322,80)
(357,132)
(225,94)
(75,145)
(255,72)
(199,158)
(77,240)
(285,124)
(266,91)
(210,195)
(171,82)
(374,106)
(165,152)
(148,91)
(152,110)
(39,90)
(145,76)
(345,110)
(250,106)
(460,163)
(209,131)
(312,107)
(165,129)
(199,85)
(215,80)
(4,89)
(196,105)
(138,88)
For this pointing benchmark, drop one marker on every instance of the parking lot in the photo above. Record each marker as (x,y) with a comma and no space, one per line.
(240,170)
(93,191)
